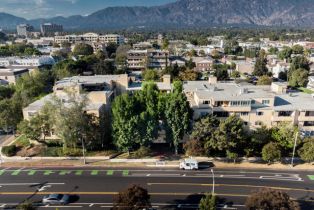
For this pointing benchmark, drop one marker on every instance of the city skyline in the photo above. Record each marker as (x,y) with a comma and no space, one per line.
(32,9)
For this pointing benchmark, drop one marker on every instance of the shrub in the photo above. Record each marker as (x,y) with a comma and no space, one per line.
(71,152)
(271,152)
(9,150)
(142,152)
(194,148)
(52,152)
(209,202)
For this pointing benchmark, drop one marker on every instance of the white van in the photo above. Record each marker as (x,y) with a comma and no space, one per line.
(189,164)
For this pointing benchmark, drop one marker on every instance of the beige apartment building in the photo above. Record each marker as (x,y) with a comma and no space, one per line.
(255,105)
(10,75)
(141,59)
(91,38)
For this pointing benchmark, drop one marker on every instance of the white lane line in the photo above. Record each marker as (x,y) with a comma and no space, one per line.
(223,175)
(91,205)
(61,206)
(23,184)
(148,175)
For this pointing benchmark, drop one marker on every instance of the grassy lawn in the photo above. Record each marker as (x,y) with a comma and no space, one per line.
(305,90)
(22,141)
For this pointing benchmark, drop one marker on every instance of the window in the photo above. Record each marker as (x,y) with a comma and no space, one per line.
(309,113)
(246,123)
(259,113)
(244,113)
(266,102)
(221,114)
(253,102)
(205,102)
(258,123)
(284,114)
(309,123)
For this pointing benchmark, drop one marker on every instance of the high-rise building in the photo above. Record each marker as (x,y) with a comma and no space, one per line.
(24,30)
(48,29)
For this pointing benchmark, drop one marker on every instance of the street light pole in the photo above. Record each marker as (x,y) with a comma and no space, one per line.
(83,145)
(213,191)
(295,145)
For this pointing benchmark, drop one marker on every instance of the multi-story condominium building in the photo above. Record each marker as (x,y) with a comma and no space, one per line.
(255,105)
(48,29)
(33,61)
(11,75)
(91,38)
(141,59)
(24,30)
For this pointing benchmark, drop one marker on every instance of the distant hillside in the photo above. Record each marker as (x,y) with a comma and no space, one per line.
(189,13)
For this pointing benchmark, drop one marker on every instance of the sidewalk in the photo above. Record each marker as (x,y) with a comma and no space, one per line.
(138,163)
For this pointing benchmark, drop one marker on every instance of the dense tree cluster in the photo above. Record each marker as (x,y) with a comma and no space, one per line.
(137,118)
(20,49)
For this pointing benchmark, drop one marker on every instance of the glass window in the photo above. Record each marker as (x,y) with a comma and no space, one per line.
(266,102)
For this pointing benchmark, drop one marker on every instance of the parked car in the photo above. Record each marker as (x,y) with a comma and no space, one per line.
(56,199)
(189,164)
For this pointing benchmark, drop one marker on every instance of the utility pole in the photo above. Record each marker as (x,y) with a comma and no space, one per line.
(294,146)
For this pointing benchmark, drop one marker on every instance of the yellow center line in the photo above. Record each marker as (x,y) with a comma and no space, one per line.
(234,185)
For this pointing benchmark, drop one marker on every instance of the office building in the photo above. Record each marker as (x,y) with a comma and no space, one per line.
(50,29)
(24,30)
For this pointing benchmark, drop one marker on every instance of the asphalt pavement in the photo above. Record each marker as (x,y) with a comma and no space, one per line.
(95,188)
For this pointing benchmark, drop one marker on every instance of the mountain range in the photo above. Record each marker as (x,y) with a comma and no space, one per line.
(187,13)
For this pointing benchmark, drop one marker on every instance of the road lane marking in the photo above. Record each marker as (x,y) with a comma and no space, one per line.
(125,173)
(16,172)
(31,172)
(234,185)
(64,172)
(311,177)
(25,184)
(94,172)
(48,172)
(78,173)
(110,172)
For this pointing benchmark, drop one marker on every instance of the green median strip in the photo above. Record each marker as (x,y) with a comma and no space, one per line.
(94,172)
(62,173)
(31,172)
(110,172)
(48,172)
(79,172)
(2,172)
(15,173)
(125,173)
(311,177)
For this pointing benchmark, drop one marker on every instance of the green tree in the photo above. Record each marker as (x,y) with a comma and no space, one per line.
(203,130)
(26,206)
(190,64)
(125,121)
(235,74)
(111,49)
(284,134)
(229,135)
(73,124)
(264,80)
(297,49)
(259,137)
(188,75)
(177,115)
(83,49)
(149,124)
(106,67)
(273,51)
(150,75)
(221,71)
(285,53)
(132,198)
(209,202)
(271,152)
(270,199)
(10,113)
(165,44)
(306,152)
(232,155)
(260,67)
(299,62)
(299,78)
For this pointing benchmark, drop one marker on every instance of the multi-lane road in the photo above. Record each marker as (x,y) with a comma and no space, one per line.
(94,188)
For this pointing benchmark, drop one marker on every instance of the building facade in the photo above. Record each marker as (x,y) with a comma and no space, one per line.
(50,29)
(138,60)
(91,38)
(255,105)
(11,75)
(24,30)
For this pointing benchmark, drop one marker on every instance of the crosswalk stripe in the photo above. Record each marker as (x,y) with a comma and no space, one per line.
(94,172)
(110,172)
(31,172)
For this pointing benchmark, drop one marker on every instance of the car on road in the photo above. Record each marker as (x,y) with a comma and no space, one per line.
(189,164)
(59,199)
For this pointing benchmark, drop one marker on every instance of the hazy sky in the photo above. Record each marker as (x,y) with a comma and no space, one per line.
(49,8)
